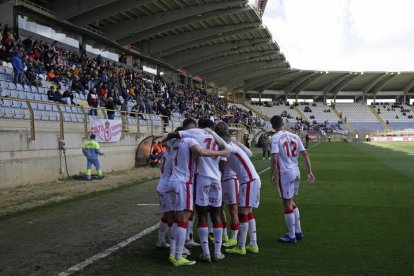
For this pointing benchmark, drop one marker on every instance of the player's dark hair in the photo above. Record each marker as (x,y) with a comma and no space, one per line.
(203,123)
(92,136)
(222,130)
(277,122)
(188,122)
(178,129)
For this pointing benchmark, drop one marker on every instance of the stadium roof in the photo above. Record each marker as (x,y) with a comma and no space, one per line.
(222,41)
(209,38)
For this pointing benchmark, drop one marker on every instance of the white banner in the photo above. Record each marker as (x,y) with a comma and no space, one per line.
(106,130)
(393,139)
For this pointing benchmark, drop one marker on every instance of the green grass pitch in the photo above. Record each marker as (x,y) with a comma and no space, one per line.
(358,219)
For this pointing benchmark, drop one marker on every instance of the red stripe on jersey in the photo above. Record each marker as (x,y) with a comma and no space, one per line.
(236,184)
(249,173)
(190,162)
(247,194)
(187,188)
(278,180)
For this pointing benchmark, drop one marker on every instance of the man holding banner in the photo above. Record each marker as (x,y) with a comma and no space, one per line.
(91,151)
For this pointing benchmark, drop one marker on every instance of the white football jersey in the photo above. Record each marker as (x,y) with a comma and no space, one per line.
(242,165)
(205,166)
(182,160)
(166,165)
(288,146)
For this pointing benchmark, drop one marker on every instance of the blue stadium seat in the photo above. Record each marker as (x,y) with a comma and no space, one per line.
(53,116)
(34,89)
(19,87)
(19,114)
(82,97)
(6,103)
(42,90)
(41,106)
(66,117)
(24,105)
(34,105)
(66,109)
(3,77)
(44,98)
(11,85)
(8,113)
(21,95)
(27,88)
(5,92)
(79,118)
(16,104)
(37,114)
(48,107)
(30,96)
(37,97)
(55,108)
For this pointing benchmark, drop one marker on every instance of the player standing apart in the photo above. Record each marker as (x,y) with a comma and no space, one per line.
(286,147)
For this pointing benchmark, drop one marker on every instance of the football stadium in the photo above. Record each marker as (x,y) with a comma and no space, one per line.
(127,126)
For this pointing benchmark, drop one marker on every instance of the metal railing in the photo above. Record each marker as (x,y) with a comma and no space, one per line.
(128,119)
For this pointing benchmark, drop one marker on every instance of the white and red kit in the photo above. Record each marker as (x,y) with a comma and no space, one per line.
(288,146)
(164,190)
(207,176)
(249,180)
(182,174)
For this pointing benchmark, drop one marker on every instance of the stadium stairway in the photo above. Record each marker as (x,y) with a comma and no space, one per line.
(374,111)
(300,113)
(348,125)
(254,110)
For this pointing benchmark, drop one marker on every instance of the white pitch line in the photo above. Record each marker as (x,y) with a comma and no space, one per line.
(80,266)
(148,204)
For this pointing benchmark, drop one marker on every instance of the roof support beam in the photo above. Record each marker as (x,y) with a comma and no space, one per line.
(113,8)
(248,66)
(372,83)
(293,85)
(251,84)
(382,83)
(65,9)
(192,54)
(300,87)
(198,68)
(158,46)
(331,85)
(343,84)
(248,74)
(222,53)
(130,30)
(408,87)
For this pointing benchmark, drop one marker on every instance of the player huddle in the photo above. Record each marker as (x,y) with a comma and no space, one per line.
(203,170)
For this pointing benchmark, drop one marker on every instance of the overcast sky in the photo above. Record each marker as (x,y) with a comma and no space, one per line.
(354,35)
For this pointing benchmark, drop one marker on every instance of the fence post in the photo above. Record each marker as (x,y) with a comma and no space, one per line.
(61,120)
(85,123)
(32,124)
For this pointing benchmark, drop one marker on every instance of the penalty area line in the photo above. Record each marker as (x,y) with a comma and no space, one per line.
(80,266)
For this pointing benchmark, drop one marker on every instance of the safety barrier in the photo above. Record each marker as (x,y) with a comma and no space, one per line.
(133,122)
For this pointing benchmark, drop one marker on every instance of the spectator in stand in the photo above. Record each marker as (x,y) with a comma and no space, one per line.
(18,68)
(68,97)
(51,93)
(93,102)
(31,76)
(110,106)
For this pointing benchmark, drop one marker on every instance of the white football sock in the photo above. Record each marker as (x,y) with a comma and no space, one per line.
(210,224)
(225,229)
(252,230)
(172,239)
(162,232)
(298,229)
(218,237)
(179,235)
(189,232)
(290,222)
(234,230)
(203,235)
(244,228)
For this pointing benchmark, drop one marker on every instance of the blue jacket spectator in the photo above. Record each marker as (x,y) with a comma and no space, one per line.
(18,67)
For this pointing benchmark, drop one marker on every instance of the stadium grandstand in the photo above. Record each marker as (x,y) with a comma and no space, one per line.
(168,60)
(131,71)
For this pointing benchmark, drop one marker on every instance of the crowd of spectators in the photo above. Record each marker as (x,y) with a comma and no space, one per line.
(108,84)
